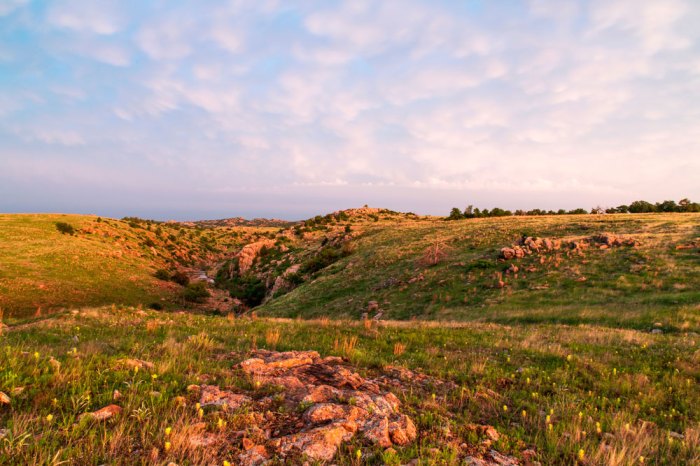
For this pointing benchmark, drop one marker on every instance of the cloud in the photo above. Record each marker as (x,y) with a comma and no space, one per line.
(526,99)
(96,16)
(9,6)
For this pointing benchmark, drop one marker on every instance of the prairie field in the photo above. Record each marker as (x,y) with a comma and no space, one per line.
(586,351)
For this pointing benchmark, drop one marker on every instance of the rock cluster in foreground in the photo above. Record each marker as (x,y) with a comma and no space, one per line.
(340,403)
(324,404)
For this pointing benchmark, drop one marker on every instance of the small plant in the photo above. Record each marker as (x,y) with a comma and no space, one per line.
(196,292)
(201,342)
(272,337)
(346,347)
(65,228)
(434,254)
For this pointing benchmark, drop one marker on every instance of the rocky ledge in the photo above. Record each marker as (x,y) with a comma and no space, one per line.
(334,403)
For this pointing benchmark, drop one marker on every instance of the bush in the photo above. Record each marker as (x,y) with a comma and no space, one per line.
(181,278)
(65,228)
(196,292)
(248,288)
(156,306)
(162,274)
(479,264)
(325,257)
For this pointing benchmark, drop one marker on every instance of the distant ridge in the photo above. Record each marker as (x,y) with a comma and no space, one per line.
(240,221)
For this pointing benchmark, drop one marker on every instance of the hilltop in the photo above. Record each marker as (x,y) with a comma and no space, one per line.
(240,221)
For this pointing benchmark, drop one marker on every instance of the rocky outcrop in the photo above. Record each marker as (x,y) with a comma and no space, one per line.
(213,396)
(281,282)
(532,245)
(247,255)
(342,404)
(326,404)
(301,407)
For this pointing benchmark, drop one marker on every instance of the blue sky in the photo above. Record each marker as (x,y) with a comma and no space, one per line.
(200,109)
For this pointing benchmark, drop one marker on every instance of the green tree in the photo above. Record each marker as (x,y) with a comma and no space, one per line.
(455,214)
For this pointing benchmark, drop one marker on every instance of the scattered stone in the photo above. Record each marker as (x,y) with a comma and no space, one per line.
(657,331)
(532,245)
(254,456)
(105,413)
(116,395)
(400,378)
(213,396)
(136,363)
(3,433)
(55,364)
(4,399)
(492,458)
(202,440)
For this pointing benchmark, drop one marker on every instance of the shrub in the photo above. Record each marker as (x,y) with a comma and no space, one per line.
(156,306)
(248,288)
(65,228)
(325,257)
(479,264)
(196,292)
(162,274)
(181,278)
(434,254)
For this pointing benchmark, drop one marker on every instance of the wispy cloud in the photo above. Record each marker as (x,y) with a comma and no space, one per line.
(594,100)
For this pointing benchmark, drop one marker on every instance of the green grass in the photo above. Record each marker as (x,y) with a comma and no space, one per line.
(624,287)
(545,344)
(106,261)
(42,270)
(638,389)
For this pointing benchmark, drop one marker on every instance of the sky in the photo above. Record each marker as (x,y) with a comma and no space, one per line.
(285,108)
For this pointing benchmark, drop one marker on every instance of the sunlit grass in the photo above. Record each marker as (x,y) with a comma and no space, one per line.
(617,395)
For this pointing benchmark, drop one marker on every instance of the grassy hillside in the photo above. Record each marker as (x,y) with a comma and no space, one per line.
(105,261)
(334,266)
(391,263)
(588,354)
